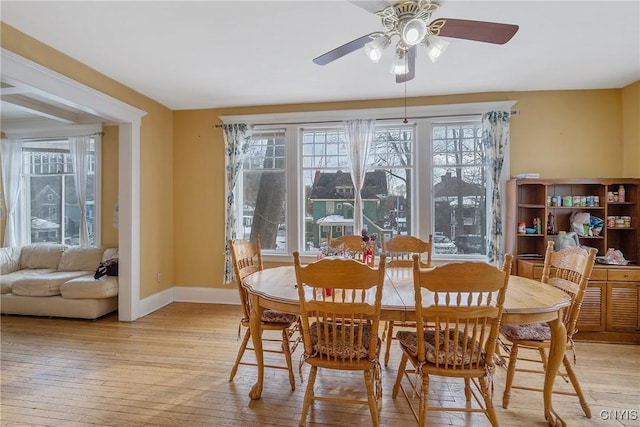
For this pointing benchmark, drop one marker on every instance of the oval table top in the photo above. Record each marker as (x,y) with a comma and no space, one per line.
(526,299)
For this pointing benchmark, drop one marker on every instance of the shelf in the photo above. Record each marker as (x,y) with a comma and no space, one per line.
(577,207)
(531,206)
(527,200)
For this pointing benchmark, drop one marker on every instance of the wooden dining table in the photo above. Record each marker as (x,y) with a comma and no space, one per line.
(527,301)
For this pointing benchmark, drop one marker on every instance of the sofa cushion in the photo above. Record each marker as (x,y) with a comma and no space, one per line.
(44,285)
(7,280)
(79,258)
(41,256)
(9,260)
(88,287)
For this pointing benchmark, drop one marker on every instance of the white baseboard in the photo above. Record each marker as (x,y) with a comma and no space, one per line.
(187,294)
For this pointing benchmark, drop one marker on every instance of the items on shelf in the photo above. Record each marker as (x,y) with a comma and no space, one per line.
(614,221)
(613,257)
(537,225)
(564,240)
(572,201)
(551,224)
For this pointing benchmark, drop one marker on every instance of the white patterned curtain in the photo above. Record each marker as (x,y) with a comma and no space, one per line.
(495,138)
(11,153)
(80,147)
(236,140)
(359,134)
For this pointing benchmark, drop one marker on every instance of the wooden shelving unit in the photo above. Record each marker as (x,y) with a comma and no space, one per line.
(611,307)
(534,198)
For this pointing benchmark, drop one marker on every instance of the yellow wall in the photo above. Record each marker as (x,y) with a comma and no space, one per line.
(560,134)
(109,190)
(156,152)
(631,130)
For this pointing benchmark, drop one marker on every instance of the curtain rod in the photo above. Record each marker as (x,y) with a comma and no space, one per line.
(59,138)
(513,113)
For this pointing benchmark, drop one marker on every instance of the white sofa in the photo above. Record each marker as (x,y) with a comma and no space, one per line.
(57,281)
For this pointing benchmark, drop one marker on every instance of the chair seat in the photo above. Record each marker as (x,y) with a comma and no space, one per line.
(274,316)
(340,347)
(453,356)
(529,332)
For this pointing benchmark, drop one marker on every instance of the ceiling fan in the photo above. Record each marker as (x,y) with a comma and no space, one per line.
(408,20)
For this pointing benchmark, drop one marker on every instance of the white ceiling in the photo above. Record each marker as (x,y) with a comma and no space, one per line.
(210,54)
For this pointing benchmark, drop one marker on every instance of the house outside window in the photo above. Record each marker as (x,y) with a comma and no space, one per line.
(427,176)
(50,202)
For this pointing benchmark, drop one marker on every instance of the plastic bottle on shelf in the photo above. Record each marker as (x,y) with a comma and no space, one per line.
(621,195)
(551,224)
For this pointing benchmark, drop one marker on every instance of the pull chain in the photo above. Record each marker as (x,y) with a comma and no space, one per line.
(405,121)
(406,67)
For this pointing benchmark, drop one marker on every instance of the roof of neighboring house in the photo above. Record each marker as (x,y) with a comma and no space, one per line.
(334,220)
(451,186)
(47,189)
(325,183)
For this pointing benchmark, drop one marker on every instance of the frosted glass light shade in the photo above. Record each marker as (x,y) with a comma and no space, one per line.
(414,32)
(434,46)
(375,47)
(400,65)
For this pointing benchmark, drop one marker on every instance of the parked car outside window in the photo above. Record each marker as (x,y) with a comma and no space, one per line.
(471,244)
(443,245)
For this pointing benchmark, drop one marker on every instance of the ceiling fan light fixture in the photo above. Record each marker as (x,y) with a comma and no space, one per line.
(414,31)
(400,64)
(375,47)
(434,45)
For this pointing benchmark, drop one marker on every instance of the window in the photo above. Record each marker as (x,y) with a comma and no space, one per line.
(427,176)
(50,202)
(263,190)
(459,188)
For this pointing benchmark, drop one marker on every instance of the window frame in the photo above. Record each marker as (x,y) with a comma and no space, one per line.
(38,144)
(423,118)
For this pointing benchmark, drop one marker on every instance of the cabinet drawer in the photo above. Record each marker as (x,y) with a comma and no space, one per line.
(598,274)
(623,275)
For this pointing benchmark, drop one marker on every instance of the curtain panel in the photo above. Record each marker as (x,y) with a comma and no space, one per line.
(11,153)
(237,137)
(80,147)
(495,137)
(359,134)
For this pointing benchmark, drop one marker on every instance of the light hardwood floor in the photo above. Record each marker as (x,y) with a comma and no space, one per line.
(171,368)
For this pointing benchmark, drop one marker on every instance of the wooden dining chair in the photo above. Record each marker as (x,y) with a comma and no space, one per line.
(569,270)
(399,251)
(355,246)
(462,304)
(247,259)
(340,326)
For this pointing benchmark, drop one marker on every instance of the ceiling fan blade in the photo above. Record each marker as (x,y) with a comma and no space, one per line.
(411,64)
(372,6)
(343,50)
(488,32)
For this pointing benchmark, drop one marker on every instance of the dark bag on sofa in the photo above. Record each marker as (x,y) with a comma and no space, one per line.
(108,267)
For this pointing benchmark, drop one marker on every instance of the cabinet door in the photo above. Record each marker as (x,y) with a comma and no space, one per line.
(592,314)
(623,301)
